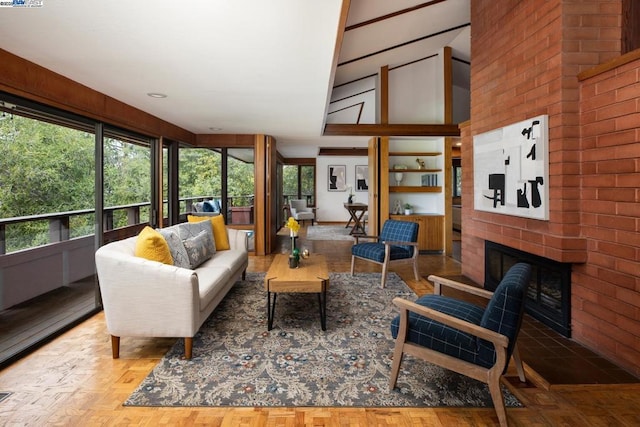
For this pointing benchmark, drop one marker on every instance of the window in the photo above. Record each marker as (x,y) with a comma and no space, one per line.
(199,177)
(202,173)
(47,223)
(127,180)
(299,182)
(45,168)
(240,185)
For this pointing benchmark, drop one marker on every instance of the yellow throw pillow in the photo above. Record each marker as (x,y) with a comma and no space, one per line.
(152,246)
(219,230)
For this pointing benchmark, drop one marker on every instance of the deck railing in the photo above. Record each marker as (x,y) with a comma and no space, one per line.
(60,224)
(62,252)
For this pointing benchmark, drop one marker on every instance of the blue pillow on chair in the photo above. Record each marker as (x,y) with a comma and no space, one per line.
(208,206)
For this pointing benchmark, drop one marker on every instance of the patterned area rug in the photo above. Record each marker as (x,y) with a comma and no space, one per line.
(329,232)
(237,362)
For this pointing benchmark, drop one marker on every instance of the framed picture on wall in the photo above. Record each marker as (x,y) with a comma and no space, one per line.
(362,178)
(337,178)
(511,169)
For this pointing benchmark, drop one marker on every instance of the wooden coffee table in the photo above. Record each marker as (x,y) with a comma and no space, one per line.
(311,276)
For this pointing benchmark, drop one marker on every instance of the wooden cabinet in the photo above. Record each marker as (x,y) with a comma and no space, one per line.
(430,231)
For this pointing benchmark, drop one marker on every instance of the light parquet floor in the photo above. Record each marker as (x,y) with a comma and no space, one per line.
(74,381)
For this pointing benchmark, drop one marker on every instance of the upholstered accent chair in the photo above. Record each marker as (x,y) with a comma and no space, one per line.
(397,243)
(463,337)
(301,212)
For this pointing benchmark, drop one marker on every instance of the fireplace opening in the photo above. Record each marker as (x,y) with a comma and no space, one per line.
(549,292)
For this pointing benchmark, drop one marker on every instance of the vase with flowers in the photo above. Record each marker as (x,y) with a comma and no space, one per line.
(293,227)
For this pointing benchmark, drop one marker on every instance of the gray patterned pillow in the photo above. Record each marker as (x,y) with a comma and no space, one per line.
(197,249)
(178,252)
(189,230)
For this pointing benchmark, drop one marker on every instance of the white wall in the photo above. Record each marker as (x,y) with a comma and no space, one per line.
(353,103)
(330,203)
(416,92)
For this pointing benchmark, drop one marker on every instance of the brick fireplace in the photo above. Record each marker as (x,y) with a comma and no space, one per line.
(549,292)
(562,58)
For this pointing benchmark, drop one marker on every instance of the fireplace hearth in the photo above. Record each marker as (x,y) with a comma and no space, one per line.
(549,293)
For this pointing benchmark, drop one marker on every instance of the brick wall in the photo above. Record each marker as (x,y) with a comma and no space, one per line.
(526,57)
(606,290)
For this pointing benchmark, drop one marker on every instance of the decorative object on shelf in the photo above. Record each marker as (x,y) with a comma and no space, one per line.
(397,208)
(337,178)
(420,163)
(398,176)
(429,180)
(407,209)
(293,227)
(305,253)
(350,198)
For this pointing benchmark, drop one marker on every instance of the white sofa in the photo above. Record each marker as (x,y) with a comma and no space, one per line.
(143,298)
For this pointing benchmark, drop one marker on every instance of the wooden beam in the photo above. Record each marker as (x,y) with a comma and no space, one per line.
(448,84)
(392,15)
(348,151)
(225,140)
(384,95)
(338,129)
(300,161)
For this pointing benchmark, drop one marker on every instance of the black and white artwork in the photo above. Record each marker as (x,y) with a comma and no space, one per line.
(362,178)
(337,178)
(511,169)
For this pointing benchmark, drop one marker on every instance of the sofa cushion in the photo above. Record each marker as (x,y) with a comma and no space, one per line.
(178,252)
(219,230)
(198,249)
(233,260)
(207,206)
(211,278)
(152,246)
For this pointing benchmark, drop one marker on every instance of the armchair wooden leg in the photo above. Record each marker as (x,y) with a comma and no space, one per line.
(353,263)
(384,275)
(415,270)
(498,399)
(188,347)
(398,350)
(395,365)
(115,347)
(519,367)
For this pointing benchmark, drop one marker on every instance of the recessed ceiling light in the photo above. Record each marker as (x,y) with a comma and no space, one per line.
(459,144)
(215,129)
(156,95)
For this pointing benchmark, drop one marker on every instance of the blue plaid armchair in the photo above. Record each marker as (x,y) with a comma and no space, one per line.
(398,242)
(463,337)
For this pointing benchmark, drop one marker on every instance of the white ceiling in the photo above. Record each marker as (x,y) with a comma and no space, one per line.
(249,66)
